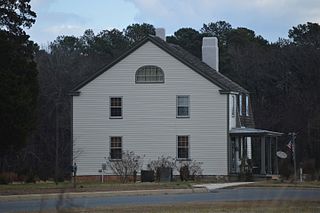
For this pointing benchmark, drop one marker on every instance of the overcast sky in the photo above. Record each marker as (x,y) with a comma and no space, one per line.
(270,18)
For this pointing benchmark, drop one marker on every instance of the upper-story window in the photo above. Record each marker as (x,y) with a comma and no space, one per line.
(115,107)
(149,74)
(247,105)
(233,106)
(240,105)
(183,103)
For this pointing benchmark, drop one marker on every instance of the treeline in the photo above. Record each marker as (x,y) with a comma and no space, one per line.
(18,85)
(283,78)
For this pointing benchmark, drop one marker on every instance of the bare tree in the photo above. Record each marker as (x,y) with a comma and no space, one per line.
(127,166)
(162,162)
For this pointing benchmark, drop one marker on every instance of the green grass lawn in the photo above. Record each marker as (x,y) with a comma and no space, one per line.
(51,187)
(87,187)
(277,183)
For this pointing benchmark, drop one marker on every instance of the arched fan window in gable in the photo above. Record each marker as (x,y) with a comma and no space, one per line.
(149,74)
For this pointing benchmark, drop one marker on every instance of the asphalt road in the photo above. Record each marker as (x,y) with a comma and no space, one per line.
(237,194)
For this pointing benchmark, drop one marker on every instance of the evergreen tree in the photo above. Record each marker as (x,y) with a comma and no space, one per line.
(18,77)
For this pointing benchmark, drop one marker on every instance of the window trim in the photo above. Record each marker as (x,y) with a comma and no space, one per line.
(240,105)
(177,106)
(115,117)
(115,159)
(233,109)
(149,82)
(247,105)
(177,148)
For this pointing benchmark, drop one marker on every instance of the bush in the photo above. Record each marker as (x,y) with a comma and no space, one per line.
(189,170)
(161,162)
(184,173)
(126,166)
(4,179)
(309,166)
(285,168)
(7,177)
(31,178)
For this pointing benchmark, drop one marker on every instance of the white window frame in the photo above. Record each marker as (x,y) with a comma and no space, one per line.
(113,148)
(240,105)
(233,110)
(188,147)
(148,70)
(111,107)
(177,106)
(247,105)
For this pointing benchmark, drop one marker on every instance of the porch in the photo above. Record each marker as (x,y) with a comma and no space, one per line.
(253,150)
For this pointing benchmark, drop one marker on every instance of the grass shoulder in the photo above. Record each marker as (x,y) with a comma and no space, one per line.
(285,184)
(50,187)
(252,206)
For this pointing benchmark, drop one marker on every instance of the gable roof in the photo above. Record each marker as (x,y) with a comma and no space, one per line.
(183,56)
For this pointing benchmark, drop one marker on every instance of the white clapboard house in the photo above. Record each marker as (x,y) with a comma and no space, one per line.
(158,99)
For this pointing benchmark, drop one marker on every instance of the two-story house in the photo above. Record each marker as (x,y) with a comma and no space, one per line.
(158,99)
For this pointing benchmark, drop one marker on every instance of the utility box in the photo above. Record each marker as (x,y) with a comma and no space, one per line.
(104,166)
(147,176)
(165,174)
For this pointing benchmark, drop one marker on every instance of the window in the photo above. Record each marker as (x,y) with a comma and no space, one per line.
(247,105)
(233,106)
(115,107)
(115,148)
(183,147)
(182,106)
(240,105)
(149,74)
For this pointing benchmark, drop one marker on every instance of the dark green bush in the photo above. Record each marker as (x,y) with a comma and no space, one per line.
(7,177)
(4,179)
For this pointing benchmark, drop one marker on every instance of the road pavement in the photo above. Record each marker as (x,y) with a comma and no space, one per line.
(218,195)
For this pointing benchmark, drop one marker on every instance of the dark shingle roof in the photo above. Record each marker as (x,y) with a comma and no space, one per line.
(182,55)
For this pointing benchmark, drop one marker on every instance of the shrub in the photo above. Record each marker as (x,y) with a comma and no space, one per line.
(184,173)
(7,177)
(31,178)
(4,179)
(126,166)
(161,162)
(189,170)
(285,168)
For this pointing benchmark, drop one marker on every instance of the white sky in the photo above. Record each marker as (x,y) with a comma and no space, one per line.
(270,18)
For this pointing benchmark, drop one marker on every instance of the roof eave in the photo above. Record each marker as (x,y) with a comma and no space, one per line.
(253,132)
(228,92)
(74,93)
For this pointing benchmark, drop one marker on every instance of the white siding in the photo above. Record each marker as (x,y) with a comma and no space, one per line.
(149,126)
